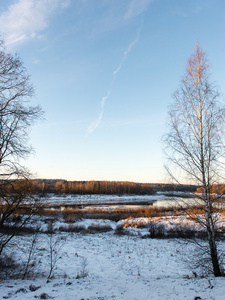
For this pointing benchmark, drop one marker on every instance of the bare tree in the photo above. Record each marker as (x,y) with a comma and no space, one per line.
(16,118)
(194,144)
(55,246)
(30,253)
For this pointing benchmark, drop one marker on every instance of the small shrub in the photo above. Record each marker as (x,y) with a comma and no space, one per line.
(45,296)
(21,290)
(184,232)
(81,275)
(120,230)
(9,268)
(73,228)
(17,230)
(83,270)
(95,228)
(33,288)
(16,218)
(157,230)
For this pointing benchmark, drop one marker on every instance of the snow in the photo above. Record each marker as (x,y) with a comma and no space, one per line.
(105,266)
(176,199)
(124,267)
(52,198)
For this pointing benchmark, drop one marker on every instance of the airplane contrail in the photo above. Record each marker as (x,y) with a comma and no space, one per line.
(93,126)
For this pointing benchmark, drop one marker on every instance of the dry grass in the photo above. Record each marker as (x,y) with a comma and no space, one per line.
(117,214)
(93,228)
(134,224)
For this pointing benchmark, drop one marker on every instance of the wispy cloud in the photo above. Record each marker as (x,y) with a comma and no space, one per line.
(26,19)
(129,48)
(97,122)
(115,14)
(93,126)
(136,7)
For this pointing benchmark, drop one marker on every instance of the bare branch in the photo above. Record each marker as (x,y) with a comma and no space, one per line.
(194,143)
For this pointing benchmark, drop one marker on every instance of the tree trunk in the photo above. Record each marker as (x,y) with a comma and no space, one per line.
(214,256)
(211,240)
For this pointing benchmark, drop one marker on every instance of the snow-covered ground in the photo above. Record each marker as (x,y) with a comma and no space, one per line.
(105,266)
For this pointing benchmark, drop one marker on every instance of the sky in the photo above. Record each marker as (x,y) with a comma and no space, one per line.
(104,72)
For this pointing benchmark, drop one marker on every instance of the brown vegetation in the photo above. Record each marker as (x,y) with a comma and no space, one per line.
(43,186)
(91,187)
(218,189)
(116,214)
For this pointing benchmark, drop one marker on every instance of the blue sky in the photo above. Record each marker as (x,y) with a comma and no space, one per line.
(104,72)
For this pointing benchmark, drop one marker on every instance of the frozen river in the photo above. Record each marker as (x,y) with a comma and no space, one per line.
(158,200)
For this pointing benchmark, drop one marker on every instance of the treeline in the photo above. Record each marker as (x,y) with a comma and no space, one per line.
(106,187)
(218,189)
(43,186)
(166,187)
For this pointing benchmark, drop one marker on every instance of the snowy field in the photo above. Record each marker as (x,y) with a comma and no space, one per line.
(105,266)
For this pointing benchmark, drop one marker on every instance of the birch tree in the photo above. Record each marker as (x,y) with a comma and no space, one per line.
(194,143)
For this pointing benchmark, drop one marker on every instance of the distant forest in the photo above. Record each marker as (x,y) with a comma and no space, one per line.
(43,186)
